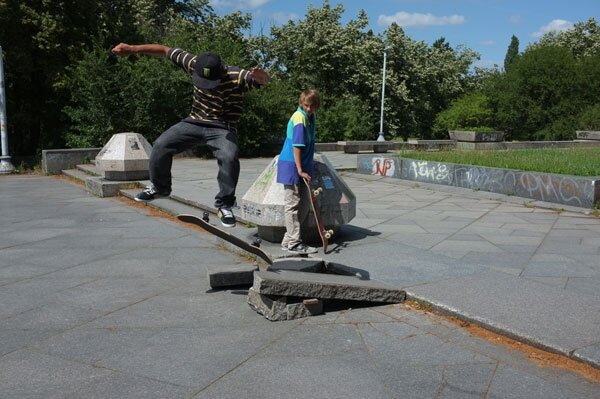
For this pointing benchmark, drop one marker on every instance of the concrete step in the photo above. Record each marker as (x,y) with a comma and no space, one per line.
(90,169)
(76,174)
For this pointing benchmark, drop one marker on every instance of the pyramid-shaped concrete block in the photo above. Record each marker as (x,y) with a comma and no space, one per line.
(263,203)
(126,156)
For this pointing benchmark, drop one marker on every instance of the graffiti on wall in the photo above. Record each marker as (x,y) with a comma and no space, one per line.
(429,171)
(383,166)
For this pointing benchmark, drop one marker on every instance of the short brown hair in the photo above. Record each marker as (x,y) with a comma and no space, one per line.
(310,96)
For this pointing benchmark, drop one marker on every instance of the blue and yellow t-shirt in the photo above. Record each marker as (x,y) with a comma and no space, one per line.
(300,133)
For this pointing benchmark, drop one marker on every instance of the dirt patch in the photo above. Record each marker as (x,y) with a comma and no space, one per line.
(538,356)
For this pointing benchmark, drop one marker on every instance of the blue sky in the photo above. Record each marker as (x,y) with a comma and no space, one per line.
(485,26)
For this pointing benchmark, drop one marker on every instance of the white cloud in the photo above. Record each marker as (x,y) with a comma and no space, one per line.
(417,19)
(515,19)
(556,25)
(238,4)
(487,42)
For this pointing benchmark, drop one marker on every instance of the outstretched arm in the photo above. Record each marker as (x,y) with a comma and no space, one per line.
(124,49)
(261,76)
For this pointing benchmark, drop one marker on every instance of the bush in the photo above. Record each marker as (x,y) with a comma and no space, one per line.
(263,123)
(344,119)
(589,119)
(470,112)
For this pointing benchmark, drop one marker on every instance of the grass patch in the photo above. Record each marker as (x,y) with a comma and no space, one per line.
(567,161)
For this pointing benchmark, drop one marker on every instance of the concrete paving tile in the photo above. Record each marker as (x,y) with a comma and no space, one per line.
(585,285)
(513,240)
(415,350)
(529,313)
(29,294)
(124,385)
(54,377)
(468,246)
(559,269)
(180,309)
(423,241)
(511,383)
(112,293)
(312,340)
(312,377)
(465,381)
(558,282)
(194,357)
(520,226)
(414,381)
(522,249)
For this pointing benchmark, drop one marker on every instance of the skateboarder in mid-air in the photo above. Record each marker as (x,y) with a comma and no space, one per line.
(216,109)
(295,163)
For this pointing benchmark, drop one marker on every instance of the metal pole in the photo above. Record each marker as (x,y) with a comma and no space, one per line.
(5,165)
(381,138)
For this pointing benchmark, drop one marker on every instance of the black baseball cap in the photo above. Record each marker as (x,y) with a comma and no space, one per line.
(208,70)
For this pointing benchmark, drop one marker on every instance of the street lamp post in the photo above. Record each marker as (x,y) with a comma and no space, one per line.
(381,137)
(5,165)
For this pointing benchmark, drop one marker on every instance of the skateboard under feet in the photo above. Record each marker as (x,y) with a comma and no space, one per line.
(204,222)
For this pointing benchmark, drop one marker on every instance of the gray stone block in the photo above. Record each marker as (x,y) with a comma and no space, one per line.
(308,265)
(54,161)
(325,286)
(229,276)
(464,135)
(588,134)
(101,187)
(276,308)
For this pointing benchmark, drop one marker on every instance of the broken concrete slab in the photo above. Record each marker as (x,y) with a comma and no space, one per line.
(276,308)
(325,286)
(230,276)
(309,265)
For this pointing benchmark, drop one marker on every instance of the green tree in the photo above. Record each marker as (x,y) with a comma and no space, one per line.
(583,39)
(545,87)
(512,53)
(41,39)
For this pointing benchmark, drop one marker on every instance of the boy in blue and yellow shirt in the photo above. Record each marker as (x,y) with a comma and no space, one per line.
(296,163)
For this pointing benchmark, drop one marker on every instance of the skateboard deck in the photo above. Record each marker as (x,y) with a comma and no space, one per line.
(211,228)
(324,234)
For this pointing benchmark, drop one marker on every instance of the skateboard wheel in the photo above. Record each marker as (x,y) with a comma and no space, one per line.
(205,216)
(256,243)
(328,234)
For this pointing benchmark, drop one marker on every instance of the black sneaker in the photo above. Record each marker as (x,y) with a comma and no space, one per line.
(226,216)
(149,194)
(302,249)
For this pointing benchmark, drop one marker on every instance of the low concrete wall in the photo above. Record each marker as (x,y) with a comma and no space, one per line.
(561,189)
(55,161)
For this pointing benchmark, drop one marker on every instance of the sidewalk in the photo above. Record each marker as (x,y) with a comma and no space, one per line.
(98,299)
(530,273)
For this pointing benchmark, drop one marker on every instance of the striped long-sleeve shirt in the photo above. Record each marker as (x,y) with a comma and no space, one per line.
(221,106)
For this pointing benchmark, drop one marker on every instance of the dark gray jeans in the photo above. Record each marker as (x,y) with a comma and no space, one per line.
(183,135)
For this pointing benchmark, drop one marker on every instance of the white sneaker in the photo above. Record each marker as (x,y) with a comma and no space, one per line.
(302,249)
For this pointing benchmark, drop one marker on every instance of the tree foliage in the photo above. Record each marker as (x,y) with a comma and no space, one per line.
(542,93)
(65,88)
(583,39)
(512,52)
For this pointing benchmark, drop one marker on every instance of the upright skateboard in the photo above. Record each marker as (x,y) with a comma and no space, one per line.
(324,234)
(203,222)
